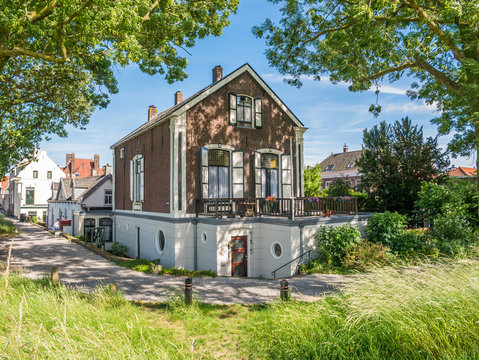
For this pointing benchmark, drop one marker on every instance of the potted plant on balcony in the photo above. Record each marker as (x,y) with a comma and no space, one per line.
(312,204)
(269,205)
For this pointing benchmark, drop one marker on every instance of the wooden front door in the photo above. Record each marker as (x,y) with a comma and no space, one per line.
(239,256)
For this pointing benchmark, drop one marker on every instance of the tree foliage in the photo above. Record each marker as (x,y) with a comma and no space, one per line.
(395,160)
(364,42)
(312,181)
(57,57)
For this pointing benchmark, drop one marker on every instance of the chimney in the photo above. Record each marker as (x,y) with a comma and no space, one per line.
(152,111)
(96,159)
(178,97)
(345,148)
(70,157)
(217,73)
(107,169)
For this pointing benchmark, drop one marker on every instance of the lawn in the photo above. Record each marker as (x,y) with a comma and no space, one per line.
(428,312)
(6,227)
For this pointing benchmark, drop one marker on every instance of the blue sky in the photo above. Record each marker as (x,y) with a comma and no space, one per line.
(333,115)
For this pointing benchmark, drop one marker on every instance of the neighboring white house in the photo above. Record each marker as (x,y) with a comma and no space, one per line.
(30,185)
(86,202)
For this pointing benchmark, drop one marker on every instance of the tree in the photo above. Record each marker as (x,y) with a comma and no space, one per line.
(57,58)
(339,187)
(312,181)
(395,160)
(366,41)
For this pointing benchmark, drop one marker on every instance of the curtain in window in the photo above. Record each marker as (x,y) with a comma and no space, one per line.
(219,182)
(274,182)
(213,181)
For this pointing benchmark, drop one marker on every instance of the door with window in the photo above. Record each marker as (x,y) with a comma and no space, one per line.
(218,173)
(239,256)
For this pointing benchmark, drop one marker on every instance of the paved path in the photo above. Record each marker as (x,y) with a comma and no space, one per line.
(37,251)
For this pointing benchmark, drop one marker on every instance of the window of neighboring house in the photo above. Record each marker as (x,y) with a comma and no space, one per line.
(35,174)
(269,175)
(66,214)
(30,196)
(350,165)
(49,174)
(108,197)
(329,168)
(122,153)
(218,173)
(77,174)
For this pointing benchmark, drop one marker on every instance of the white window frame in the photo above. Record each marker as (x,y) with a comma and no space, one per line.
(138,179)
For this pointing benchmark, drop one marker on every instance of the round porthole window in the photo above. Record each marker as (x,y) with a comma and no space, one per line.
(277,250)
(204,238)
(161,242)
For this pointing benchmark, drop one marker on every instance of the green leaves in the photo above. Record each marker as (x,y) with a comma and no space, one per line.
(77,43)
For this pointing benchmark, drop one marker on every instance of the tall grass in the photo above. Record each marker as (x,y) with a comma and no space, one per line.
(6,227)
(428,313)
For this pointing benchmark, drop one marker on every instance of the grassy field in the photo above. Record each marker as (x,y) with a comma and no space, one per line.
(430,312)
(6,227)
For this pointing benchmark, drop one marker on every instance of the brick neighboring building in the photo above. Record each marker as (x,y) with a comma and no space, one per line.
(341,166)
(462,172)
(222,150)
(4,193)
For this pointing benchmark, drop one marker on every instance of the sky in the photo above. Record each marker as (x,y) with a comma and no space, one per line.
(334,115)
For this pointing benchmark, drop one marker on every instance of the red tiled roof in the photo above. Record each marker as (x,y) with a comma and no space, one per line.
(462,172)
(83,167)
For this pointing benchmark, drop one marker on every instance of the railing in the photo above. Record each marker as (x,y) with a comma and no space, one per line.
(302,207)
(273,273)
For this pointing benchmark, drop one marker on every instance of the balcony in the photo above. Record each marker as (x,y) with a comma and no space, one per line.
(282,207)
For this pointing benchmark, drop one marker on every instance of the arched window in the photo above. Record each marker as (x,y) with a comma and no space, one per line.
(269,174)
(106,223)
(219,173)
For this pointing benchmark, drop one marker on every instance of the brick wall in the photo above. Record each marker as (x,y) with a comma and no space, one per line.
(154,145)
(207,123)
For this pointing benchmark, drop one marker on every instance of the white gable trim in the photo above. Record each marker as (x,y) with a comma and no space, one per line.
(182,109)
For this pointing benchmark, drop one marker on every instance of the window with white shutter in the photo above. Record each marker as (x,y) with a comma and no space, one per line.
(238,174)
(286,176)
(258,116)
(204,173)
(257,174)
(131,179)
(232,108)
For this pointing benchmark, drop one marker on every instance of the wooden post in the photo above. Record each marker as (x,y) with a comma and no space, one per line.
(284,294)
(112,288)
(55,275)
(188,291)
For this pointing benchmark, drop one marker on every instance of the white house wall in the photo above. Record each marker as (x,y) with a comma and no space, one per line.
(97,198)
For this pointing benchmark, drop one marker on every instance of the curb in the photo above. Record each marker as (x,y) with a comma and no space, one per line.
(104,254)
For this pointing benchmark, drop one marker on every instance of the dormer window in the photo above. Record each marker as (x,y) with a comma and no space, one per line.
(350,165)
(329,168)
(245,111)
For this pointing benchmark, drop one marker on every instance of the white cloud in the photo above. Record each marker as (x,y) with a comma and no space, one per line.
(409,107)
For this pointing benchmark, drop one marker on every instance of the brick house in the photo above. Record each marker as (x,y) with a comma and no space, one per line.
(191,185)
(81,168)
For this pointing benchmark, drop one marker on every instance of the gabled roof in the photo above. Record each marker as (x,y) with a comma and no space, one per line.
(95,186)
(341,161)
(65,187)
(200,95)
(88,185)
(83,167)
(462,172)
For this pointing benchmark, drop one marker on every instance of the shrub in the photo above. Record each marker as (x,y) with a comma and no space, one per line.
(412,240)
(364,254)
(454,233)
(363,199)
(34,219)
(6,227)
(332,242)
(339,187)
(118,249)
(386,228)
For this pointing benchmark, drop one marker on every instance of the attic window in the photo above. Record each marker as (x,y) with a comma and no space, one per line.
(350,165)
(329,168)
(122,153)
(245,111)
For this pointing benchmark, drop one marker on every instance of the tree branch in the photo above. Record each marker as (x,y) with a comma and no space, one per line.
(16,51)
(436,29)
(46,11)
(440,76)
(380,74)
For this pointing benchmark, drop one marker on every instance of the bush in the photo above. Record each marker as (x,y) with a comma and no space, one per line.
(364,254)
(454,233)
(363,200)
(118,249)
(34,219)
(386,228)
(339,187)
(332,242)
(6,227)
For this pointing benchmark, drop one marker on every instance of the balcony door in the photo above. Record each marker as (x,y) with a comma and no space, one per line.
(269,175)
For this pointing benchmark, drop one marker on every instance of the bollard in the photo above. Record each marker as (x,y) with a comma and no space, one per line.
(112,288)
(188,290)
(284,294)
(55,275)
